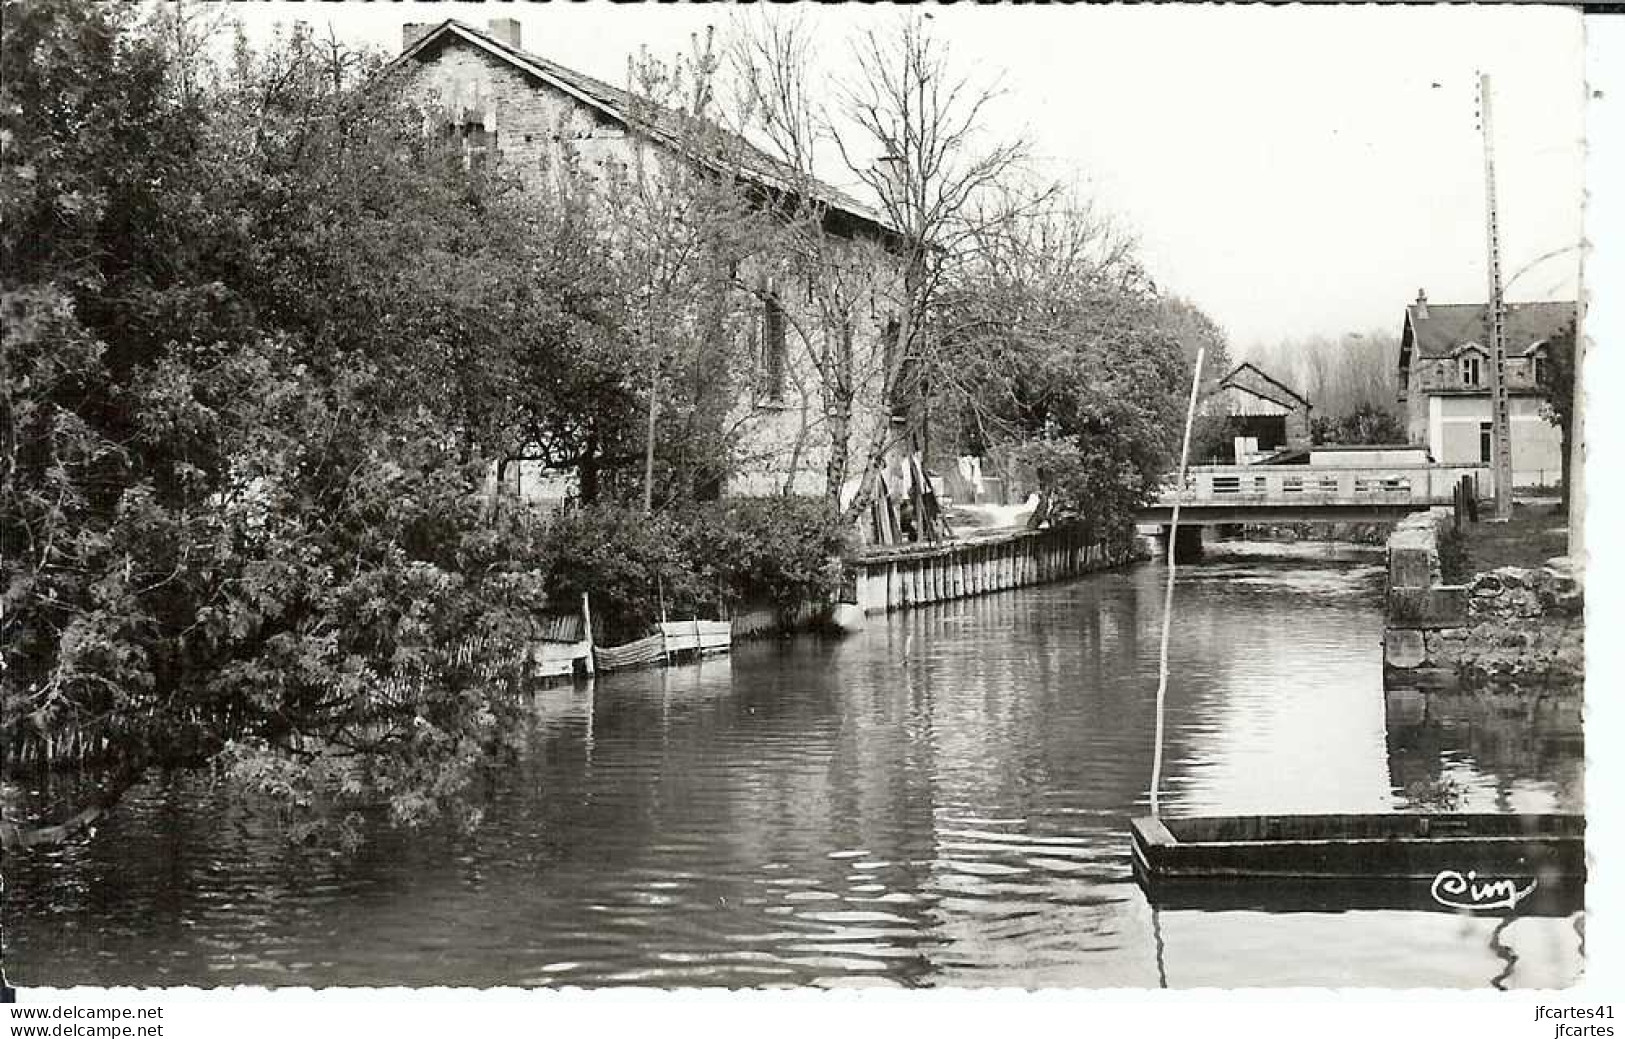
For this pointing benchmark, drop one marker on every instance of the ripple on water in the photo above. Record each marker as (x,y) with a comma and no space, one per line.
(807,812)
(854,916)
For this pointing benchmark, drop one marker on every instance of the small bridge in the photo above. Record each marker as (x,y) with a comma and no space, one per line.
(1215,494)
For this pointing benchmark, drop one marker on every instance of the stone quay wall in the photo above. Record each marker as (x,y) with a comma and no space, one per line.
(1518,625)
(1426,617)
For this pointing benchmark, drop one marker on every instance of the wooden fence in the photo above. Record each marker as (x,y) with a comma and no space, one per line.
(673,640)
(895,579)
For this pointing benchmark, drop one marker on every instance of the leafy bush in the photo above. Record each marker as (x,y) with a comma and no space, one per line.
(782,551)
(246,332)
(1368,423)
(626,561)
(701,561)
(1090,483)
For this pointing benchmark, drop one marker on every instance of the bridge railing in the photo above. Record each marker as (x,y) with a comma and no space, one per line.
(1324,484)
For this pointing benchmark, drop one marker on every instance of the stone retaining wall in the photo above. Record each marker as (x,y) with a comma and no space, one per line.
(1511,624)
(1525,625)
(1425,615)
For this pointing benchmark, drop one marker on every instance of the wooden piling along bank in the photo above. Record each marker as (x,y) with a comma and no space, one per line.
(897,578)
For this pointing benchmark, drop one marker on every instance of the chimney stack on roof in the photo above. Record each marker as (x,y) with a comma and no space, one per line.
(412,32)
(892,174)
(505,30)
(1422,304)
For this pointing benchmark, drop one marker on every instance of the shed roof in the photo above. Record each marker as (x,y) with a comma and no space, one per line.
(1250,378)
(669,127)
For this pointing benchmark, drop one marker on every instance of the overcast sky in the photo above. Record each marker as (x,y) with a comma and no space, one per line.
(1295,171)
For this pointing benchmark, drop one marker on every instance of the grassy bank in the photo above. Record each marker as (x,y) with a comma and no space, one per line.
(1534,534)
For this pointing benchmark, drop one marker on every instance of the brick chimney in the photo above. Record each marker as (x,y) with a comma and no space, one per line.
(412,32)
(1422,304)
(891,174)
(506,30)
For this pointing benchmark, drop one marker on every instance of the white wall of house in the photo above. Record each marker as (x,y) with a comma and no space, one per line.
(1455,425)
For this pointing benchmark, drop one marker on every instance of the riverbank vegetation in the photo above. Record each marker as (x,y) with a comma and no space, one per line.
(270,347)
(704,560)
(1069,359)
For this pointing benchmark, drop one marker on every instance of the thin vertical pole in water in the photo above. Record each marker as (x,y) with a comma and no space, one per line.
(1168,595)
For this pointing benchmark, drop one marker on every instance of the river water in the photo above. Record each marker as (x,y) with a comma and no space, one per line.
(940,800)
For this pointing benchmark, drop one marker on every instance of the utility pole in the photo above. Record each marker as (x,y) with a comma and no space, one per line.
(1495,322)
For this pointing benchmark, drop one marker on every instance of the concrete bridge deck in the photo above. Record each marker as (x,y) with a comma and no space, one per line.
(1215,494)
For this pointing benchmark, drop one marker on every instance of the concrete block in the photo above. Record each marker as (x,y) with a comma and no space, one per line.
(1441,606)
(1403,648)
(1405,605)
(1409,567)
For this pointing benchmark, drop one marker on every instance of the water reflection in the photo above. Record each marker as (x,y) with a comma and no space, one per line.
(1486,750)
(940,800)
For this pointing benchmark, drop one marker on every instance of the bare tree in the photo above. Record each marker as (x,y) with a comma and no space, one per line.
(686,225)
(923,124)
(1339,376)
(1060,338)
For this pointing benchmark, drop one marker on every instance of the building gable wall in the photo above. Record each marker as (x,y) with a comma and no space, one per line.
(783,443)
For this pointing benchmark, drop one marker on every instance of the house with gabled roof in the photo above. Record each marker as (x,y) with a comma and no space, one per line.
(1444,384)
(1262,415)
(529,113)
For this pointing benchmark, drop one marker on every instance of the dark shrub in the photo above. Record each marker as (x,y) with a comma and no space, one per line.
(703,561)
(626,561)
(780,551)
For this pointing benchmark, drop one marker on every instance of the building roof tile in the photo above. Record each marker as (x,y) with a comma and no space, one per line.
(1437,329)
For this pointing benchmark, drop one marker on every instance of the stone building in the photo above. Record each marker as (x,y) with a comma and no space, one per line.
(536,117)
(1444,384)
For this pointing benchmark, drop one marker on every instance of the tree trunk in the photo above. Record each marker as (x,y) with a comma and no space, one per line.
(587,469)
(649,444)
(840,423)
(14,837)
(838,408)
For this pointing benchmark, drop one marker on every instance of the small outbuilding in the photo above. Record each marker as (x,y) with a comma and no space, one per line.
(1261,416)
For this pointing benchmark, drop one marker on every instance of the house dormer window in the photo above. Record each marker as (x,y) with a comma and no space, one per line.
(1537,367)
(1471,369)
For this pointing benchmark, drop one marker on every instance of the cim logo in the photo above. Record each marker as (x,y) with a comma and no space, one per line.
(1456,891)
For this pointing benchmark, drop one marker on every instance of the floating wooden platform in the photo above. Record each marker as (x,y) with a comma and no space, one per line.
(1440,849)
